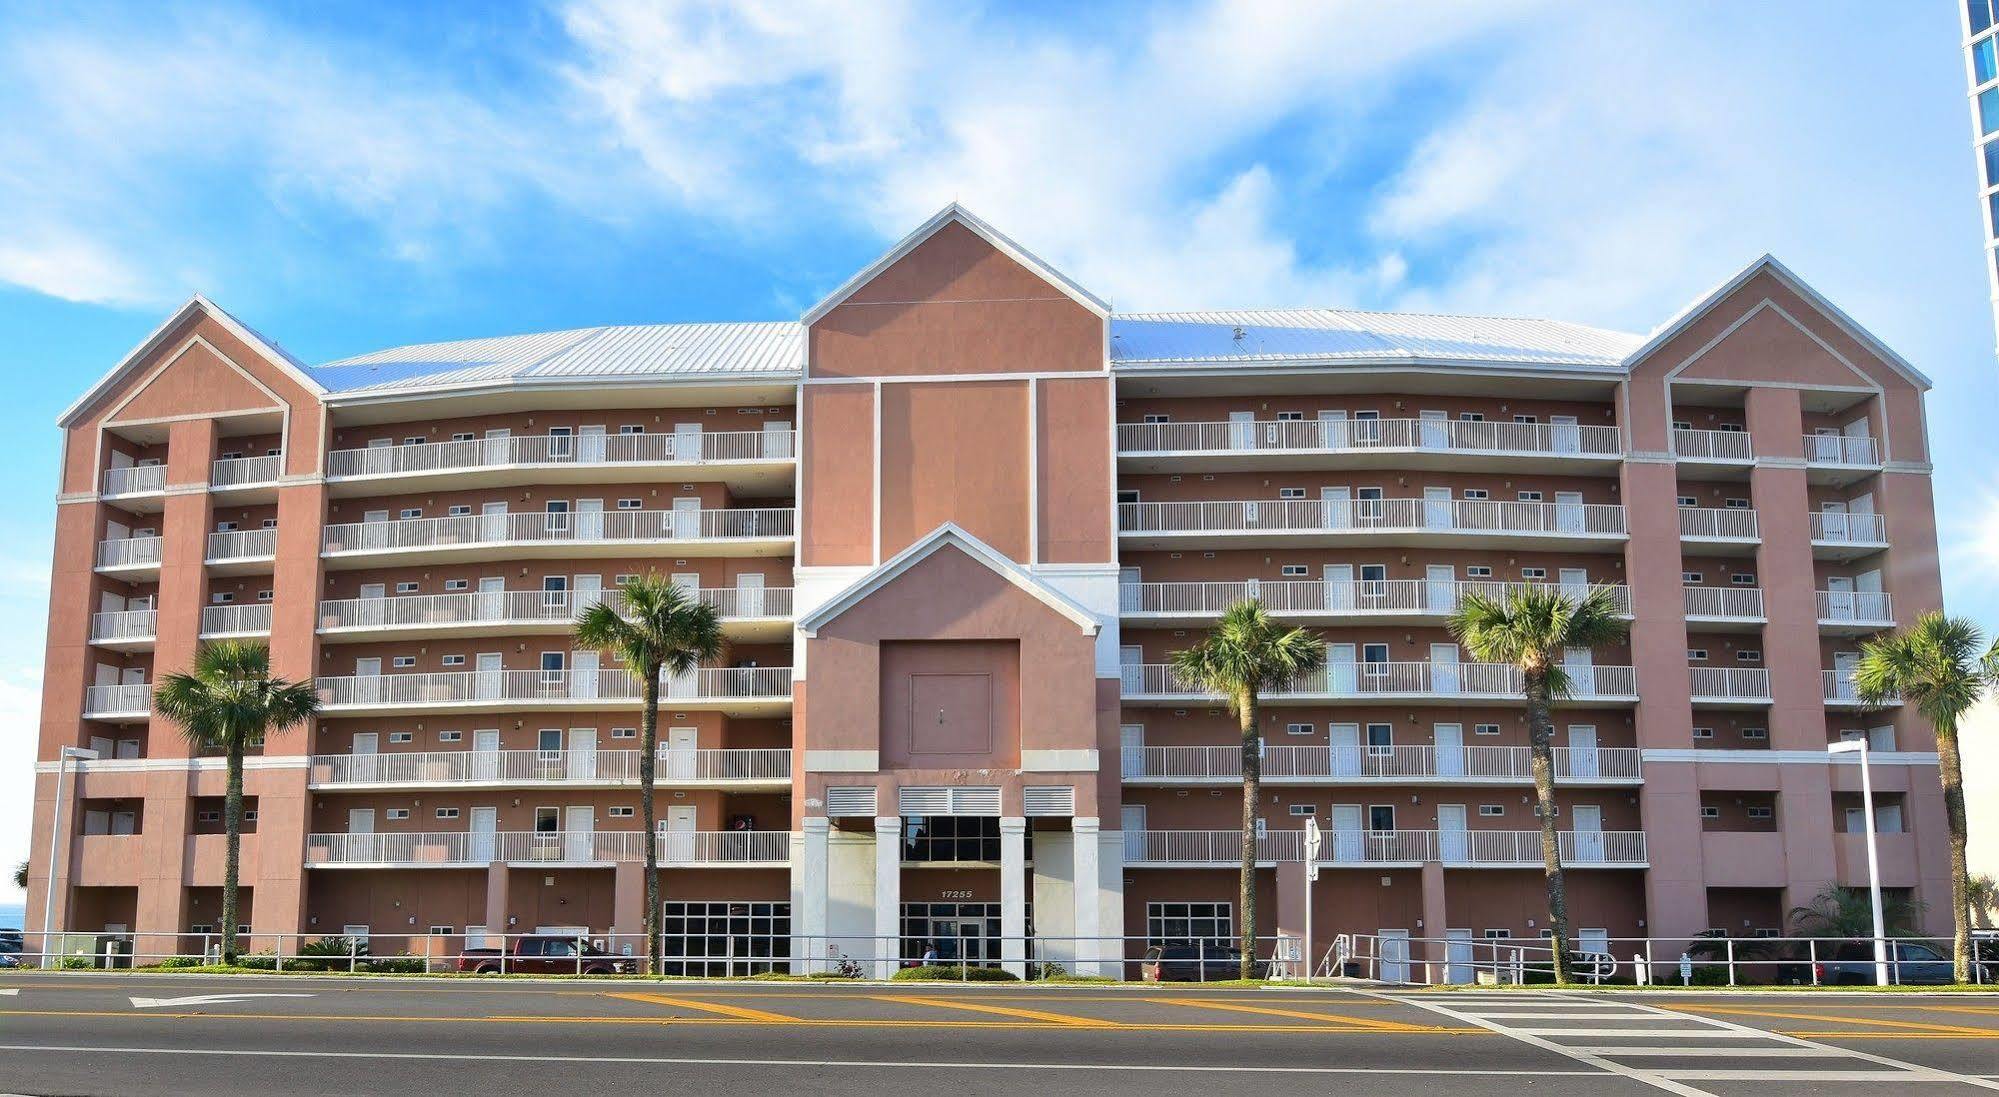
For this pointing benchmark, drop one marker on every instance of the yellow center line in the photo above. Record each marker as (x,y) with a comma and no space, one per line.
(1915,1026)
(1003,1011)
(738,1012)
(1358,1022)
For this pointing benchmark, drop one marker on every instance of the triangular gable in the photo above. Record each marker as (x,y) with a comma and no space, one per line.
(271,352)
(198,367)
(1701,306)
(956,214)
(948,535)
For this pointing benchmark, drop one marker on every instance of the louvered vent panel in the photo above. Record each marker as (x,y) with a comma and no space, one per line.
(975,801)
(1056,800)
(842,803)
(924,801)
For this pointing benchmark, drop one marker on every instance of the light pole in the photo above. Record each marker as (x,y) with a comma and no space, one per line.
(1312,841)
(81,754)
(1859,746)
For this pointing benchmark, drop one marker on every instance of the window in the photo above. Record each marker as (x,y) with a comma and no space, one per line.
(1729,428)
(1498,934)
(1304,809)
(231,455)
(410,512)
(413,440)
(398,813)
(450,736)
(622,812)
(454,660)
(1485,729)
(630,504)
(447,813)
(1179,923)
(624,733)
(1748,655)
(1158,418)
(622,578)
(250,814)
(401,737)
(1127,495)
(1708,812)
(1703,733)
(457,584)
(1690,578)
(1528,496)
(226,527)
(1290,493)
(632,428)
(1478,571)
(1742,579)
(265,595)
(1492,811)
(405,661)
(1696,655)
(206,927)
(222,597)
(1526,419)
(1689,501)
(1290,416)
(1374,653)
(1735,504)
(462,436)
(268,523)
(1762,812)
(1298,729)
(1682,424)
(459,510)
(406,588)
(207,816)
(1471,416)
(1755,733)
(1381,817)
(1296,571)
(1533,573)
(1477,493)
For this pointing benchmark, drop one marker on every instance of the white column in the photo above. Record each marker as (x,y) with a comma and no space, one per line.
(809,929)
(1013,896)
(1086,885)
(888,894)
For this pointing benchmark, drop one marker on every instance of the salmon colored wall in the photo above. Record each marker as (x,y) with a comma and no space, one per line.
(1073,471)
(955,452)
(836,476)
(993,663)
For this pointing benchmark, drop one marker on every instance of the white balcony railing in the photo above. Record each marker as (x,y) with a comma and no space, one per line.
(1505,848)
(1711,523)
(1713,445)
(231,472)
(129,552)
(1730,683)
(1839,449)
(763,765)
(131,624)
(562,449)
(574,528)
(1337,435)
(249,619)
(1849,529)
(1372,515)
(1361,763)
(1840,689)
(1855,606)
(467,848)
(118,700)
(135,480)
(524,607)
(1742,603)
(243,544)
(1401,679)
(1332,597)
(552,686)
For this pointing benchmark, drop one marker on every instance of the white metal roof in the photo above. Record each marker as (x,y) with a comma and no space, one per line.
(1300,335)
(638,351)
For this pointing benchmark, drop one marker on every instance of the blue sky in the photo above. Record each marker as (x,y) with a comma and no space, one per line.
(345,179)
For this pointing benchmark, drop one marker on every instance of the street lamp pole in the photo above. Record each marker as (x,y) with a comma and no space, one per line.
(1859,746)
(56,830)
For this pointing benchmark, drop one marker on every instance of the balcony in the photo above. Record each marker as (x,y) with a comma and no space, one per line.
(1725,608)
(1853,612)
(756,460)
(1844,536)
(123,704)
(1841,693)
(747,613)
(1840,459)
(1365,443)
(1382,848)
(130,557)
(746,532)
(1724,531)
(1463,522)
(1730,687)
(1721,451)
(246,479)
(1324,601)
(464,849)
(1414,682)
(1326,765)
(134,480)
(242,551)
(739,691)
(127,630)
(233,621)
(741,769)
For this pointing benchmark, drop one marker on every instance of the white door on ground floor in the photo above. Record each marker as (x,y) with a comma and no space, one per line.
(1457,956)
(1394,945)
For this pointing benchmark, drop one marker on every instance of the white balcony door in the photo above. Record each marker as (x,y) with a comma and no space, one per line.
(1444,675)
(680,756)
(1569,511)
(589,519)
(1343,745)
(1839,601)
(1440,588)
(1349,831)
(590,445)
(1336,507)
(1458,965)
(368,685)
(687,441)
(1453,833)
(1574,582)
(1437,508)
(776,440)
(1242,430)
(677,830)
(1450,749)
(582,754)
(1587,819)
(492,600)
(687,517)
(1338,580)
(1131,817)
(1824,444)
(485,756)
(555,520)
(1131,746)
(587,590)
(750,594)
(1583,757)
(578,825)
(1340,670)
(1861,511)
(1129,593)
(1131,668)
(1333,429)
(492,521)
(1844,663)
(1434,429)
(499,446)
(485,824)
(689,582)
(487,684)
(366,767)
(375,529)
(583,667)
(1580,666)
(1564,434)
(360,820)
(1832,519)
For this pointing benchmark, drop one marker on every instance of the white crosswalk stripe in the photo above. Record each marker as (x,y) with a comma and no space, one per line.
(1622,1036)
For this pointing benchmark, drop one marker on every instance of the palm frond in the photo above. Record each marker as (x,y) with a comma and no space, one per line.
(1248,654)
(1936,664)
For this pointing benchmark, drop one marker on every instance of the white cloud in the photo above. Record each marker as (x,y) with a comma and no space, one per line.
(72,268)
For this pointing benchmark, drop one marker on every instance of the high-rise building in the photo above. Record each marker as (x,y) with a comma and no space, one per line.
(1981,69)
(956,520)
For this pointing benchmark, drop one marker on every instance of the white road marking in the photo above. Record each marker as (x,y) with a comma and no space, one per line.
(854,1063)
(1666,1033)
(204,1000)
(9,990)
(1682,1050)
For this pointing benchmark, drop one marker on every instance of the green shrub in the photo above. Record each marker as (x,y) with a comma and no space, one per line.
(180,962)
(327,954)
(259,961)
(401,964)
(965,974)
(75,963)
(810,975)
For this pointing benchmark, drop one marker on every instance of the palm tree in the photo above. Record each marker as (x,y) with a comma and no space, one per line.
(1531,628)
(1937,666)
(227,701)
(659,625)
(1847,913)
(1982,893)
(1247,654)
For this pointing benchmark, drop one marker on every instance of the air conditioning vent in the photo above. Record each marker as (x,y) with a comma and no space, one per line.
(947,800)
(1054,800)
(844,803)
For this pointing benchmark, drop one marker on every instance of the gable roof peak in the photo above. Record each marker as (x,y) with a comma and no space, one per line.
(947,535)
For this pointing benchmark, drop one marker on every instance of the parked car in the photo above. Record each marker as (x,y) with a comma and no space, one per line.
(547,956)
(1190,963)
(11,940)
(1851,963)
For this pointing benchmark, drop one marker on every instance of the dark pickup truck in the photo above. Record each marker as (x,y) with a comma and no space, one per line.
(546,956)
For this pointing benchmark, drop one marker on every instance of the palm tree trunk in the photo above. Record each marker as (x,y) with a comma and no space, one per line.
(1540,739)
(648,766)
(232,825)
(1252,792)
(1952,777)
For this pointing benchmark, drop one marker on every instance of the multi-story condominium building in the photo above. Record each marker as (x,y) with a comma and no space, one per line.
(957,519)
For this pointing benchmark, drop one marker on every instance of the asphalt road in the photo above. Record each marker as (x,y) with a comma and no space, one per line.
(116,1033)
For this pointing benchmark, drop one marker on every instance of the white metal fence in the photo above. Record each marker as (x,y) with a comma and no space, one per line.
(1729,683)
(1730,602)
(723,847)
(1335,596)
(117,700)
(135,479)
(1553,439)
(1839,449)
(1370,515)
(762,765)
(1364,763)
(579,527)
(563,449)
(1844,528)
(1713,445)
(127,552)
(1708,960)
(243,544)
(232,472)
(131,624)
(1410,678)
(1481,848)
(248,619)
(710,683)
(1718,523)
(522,607)
(1855,606)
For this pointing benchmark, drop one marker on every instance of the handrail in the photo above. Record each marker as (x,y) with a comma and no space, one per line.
(514,607)
(1846,528)
(448,767)
(1718,522)
(1713,445)
(1733,602)
(1367,763)
(711,683)
(123,698)
(1729,683)
(1341,435)
(242,544)
(561,449)
(583,846)
(1341,847)
(126,552)
(562,527)
(250,618)
(1855,605)
(1355,596)
(236,471)
(1840,449)
(131,624)
(1368,515)
(135,480)
(1407,678)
